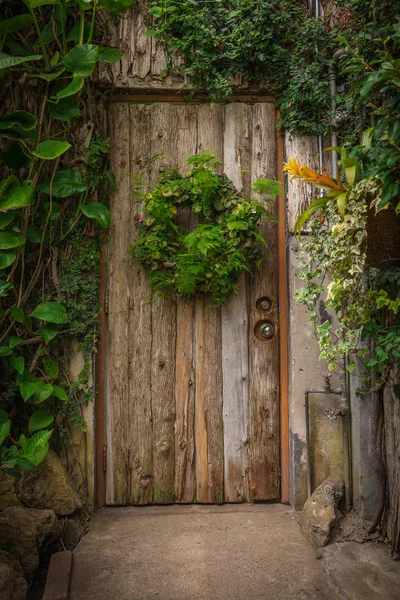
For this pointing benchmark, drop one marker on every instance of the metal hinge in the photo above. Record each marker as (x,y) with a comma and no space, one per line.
(104,458)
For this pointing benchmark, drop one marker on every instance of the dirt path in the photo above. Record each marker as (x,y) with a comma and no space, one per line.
(233,552)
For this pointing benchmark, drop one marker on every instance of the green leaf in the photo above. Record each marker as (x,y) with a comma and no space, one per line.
(27,389)
(73,34)
(15,156)
(82,59)
(17,314)
(5,428)
(54,207)
(37,3)
(18,134)
(98,212)
(109,175)
(7,61)
(42,392)
(373,79)
(5,351)
(34,234)
(18,363)
(65,109)
(50,311)
(117,6)
(49,332)
(7,259)
(3,415)
(155,11)
(14,341)
(51,367)
(109,55)
(21,118)
(48,76)
(40,419)
(6,219)
(18,198)
(65,184)
(51,149)
(59,393)
(73,88)
(350,367)
(9,239)
(151,32)
(341,203)
(8,184)
(10,26)
(319,203)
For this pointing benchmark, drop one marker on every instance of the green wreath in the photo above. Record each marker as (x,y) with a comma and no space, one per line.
(225,243)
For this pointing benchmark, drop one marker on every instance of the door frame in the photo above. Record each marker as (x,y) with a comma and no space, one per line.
(100,374)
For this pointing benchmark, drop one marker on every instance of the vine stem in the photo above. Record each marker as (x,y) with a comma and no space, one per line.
(92,22)
(81,26)
(39,34)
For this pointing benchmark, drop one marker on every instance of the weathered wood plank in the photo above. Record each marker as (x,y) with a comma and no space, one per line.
(237,154)
(303,148)
(163,355)
(140,451)
(185,474)
(210,137)
(200,409)
(118,337)
(185,468)
(213,403)
(264,356)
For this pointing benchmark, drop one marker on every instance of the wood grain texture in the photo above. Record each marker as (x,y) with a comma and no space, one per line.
(264,356)
(140,434)
(163,354)
(303,148)
(118,266)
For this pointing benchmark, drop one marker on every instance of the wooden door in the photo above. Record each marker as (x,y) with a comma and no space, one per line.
(192,394)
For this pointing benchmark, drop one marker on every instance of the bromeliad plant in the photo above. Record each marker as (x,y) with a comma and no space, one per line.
(224,244)
(48,202)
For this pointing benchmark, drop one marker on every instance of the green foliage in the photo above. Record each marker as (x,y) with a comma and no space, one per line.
(49,250)
(269,43)
(224,244)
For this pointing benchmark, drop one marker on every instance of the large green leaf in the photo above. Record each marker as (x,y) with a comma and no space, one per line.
(40,419)
(109,55)
(7,61)
(15,156)
(82,59)
(15,24)
(6,218)
(9,239)
(73,88)
(5,428)
(48,76)
(59,393)
(18,198)
(6,185)
(51,367)
(18,363)
(37,443)
(17,314)
(21,118)
(7,259)
(51,149)
(49,332)
(50,311)
(65,109)
(27,389)
(14,341)
(42,392)
(73,34)
(16,133)
(65,184)
(5,351)
(98,212)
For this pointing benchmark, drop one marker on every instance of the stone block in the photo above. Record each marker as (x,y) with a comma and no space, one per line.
(321,512)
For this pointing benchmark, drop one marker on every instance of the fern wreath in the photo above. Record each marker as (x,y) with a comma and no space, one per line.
(225,243)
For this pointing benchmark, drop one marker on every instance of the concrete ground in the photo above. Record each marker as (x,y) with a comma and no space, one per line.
(231,552)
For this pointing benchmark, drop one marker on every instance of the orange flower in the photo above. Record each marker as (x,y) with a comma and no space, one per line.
(327,181)
(308,174)
(292,168)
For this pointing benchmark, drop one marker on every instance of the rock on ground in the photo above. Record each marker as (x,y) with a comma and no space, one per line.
(27,532)
(320,514)
(12,582)
(8,496)
(49,487)
(362,571)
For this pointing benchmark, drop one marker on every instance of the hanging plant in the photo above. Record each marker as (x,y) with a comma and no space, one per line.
(225,242)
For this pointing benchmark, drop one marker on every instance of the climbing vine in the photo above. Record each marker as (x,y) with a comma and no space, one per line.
(53,214)
(225,242)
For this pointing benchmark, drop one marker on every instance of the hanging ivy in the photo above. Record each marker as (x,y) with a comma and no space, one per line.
(224,243)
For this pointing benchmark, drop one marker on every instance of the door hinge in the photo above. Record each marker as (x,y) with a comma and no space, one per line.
(104,458)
